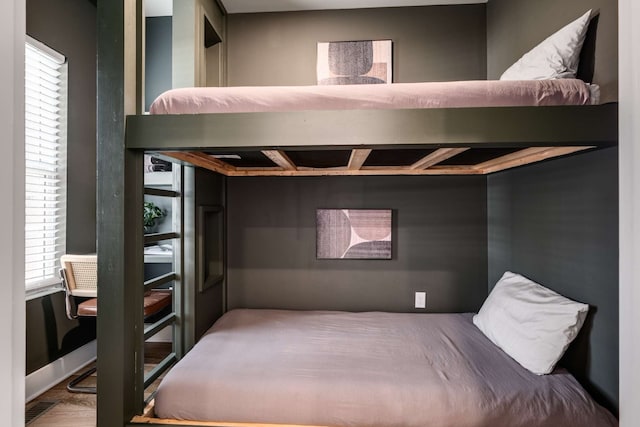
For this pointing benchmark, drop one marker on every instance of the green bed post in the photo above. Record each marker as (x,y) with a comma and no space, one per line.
(119,219)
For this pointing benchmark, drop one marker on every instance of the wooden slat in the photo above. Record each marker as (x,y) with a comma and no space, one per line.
(436,157)
(358,157)
(451,170)
(281,159)
(256,168)
(201,159)
(511,157)
(524,157)
(148,418)
(332,168)
(428,165)
(334,171)
(365,171)
(137,420)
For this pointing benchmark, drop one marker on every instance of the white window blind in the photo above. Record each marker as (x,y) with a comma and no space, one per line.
(46,163)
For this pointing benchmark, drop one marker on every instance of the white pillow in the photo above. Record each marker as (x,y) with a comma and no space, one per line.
(532,324)
(556,57)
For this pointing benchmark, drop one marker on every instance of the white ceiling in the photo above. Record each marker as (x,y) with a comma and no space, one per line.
(165,7)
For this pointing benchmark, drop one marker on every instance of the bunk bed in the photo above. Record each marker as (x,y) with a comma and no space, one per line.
(458,140)
(437,139)
(560,118)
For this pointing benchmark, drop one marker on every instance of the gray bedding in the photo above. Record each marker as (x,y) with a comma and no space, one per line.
(365,369)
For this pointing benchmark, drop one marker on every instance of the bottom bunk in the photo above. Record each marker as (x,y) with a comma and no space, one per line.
(311,368)
(549,215)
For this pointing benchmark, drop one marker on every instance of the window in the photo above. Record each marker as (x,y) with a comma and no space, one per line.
(46,163)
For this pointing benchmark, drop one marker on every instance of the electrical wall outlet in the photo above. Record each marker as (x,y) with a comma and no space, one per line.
(421,300)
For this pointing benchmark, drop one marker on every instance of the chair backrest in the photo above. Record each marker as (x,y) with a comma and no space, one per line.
(81,273)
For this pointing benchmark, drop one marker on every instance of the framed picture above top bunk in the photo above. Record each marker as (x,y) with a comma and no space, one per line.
(355,62)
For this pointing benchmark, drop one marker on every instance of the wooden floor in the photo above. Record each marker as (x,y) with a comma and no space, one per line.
(79,410)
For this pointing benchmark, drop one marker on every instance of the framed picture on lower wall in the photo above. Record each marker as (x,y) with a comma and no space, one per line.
(353,233)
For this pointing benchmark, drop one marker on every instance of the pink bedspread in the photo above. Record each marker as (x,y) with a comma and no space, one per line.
(480,93)
(372,369)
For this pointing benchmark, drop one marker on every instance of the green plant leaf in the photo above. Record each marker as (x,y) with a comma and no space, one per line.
(152,213)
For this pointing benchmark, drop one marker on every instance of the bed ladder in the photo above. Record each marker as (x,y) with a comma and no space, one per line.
(173,318)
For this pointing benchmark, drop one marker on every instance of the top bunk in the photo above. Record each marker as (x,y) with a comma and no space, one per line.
(407,129)
(542,106)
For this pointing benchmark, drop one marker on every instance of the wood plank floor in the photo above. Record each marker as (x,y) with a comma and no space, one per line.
(79,410)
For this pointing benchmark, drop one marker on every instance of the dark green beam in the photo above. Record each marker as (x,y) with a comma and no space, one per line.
(119,233)
(507,126)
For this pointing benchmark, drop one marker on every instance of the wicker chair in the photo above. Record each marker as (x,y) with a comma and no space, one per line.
(79,276)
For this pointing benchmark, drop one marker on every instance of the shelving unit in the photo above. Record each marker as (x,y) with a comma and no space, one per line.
(165,189)
(153,179)
(162,181)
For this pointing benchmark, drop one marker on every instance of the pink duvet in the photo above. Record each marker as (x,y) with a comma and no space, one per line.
(329,368)
(480,93)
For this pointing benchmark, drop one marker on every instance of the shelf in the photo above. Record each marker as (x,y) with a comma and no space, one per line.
(158,178)
(158,259)
(155,255)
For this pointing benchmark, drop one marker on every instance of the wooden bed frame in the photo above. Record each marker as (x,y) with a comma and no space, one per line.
(148,418)
(140,420)
(124,134)
(550,132)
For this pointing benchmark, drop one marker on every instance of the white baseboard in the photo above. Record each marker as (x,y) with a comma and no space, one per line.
(46,377)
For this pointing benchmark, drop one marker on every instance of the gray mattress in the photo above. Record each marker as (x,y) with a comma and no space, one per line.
(365,369)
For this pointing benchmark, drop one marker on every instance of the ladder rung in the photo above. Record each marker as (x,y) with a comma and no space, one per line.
(158,237)
(153,329)
(159,369)
(161,193)
(160,280)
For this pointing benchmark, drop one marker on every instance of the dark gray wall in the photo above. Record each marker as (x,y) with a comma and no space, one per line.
(557,223)
(439,244)
(69,27)
(516,26)
(157,77)
(435,43)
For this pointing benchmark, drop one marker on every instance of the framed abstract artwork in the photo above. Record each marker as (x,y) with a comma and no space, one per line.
(354,62)
(353,233)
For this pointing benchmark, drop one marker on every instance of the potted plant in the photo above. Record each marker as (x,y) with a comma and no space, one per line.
(152,215)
